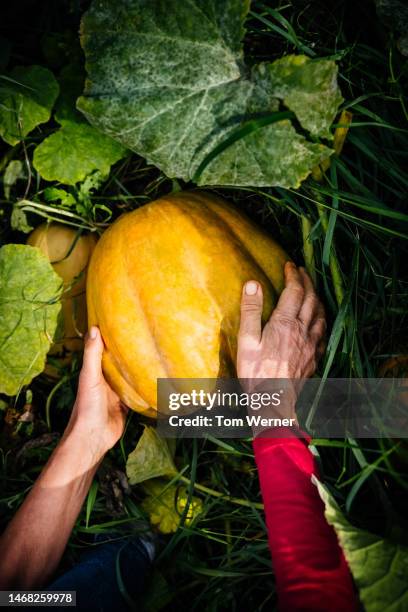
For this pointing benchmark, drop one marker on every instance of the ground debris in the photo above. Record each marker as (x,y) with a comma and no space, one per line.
(114,486)
(39,442)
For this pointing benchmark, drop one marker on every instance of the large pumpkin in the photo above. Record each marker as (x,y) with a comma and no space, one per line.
(69,253)
(164,286)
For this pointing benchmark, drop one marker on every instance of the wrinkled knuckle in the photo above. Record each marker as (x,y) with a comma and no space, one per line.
(247,340)
(303,330)
(251,307)
(298,290)
(286,322)
(309,349)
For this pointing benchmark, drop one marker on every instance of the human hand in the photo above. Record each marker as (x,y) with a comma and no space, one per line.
(34,541)
(98,417)
(291,342)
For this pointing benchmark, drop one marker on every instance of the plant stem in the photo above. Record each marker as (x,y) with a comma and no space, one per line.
(337,278)
(49,400)
(234,500)
(340,135)
(43,210)
(308,250)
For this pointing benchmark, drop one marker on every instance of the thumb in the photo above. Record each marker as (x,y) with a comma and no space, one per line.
(250,329)
(92,362)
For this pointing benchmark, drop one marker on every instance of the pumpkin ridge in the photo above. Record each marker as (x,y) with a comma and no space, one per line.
(184,214)
(245,249)
(240,245)
(117,365)
(202,287)
(222,222)
(264,236)
(113,350)
(190,219)
(146,319)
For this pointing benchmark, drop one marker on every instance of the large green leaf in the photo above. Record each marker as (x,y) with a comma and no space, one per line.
(29,307)
(151,458)
(27,96)
(74,151)
(379,566)
(168,80)
(77,149)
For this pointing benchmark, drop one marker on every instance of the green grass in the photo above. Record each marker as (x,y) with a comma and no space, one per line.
(352,227)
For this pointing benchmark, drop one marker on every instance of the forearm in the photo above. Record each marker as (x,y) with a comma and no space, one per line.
(33,543)
(307,559)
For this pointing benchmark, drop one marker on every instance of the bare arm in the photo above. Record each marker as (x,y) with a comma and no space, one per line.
(34,541)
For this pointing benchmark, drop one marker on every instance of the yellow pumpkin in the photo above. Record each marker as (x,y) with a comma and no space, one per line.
(69,254)
(164,285)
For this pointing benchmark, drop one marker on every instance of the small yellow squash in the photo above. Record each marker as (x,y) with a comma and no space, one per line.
(69,253)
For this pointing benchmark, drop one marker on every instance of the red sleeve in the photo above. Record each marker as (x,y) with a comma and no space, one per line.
(310,569)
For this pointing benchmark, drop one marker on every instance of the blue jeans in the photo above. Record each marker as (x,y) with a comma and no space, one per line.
(110,576)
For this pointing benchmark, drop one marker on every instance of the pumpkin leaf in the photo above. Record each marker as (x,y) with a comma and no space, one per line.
(29,308)
(379,566)
(74,151)
(150,459)
(27,96)
(77,149)
(307,87)
(165,504)
(19,221)
(169,81)
(53,194)
(13,172)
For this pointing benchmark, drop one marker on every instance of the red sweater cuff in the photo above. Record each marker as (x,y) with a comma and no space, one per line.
(279,434)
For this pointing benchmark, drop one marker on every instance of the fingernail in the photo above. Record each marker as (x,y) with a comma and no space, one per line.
(93,332)
(251,288)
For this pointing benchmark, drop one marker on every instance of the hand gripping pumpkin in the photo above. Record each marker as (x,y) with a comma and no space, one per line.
(164,285)
(69,253)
